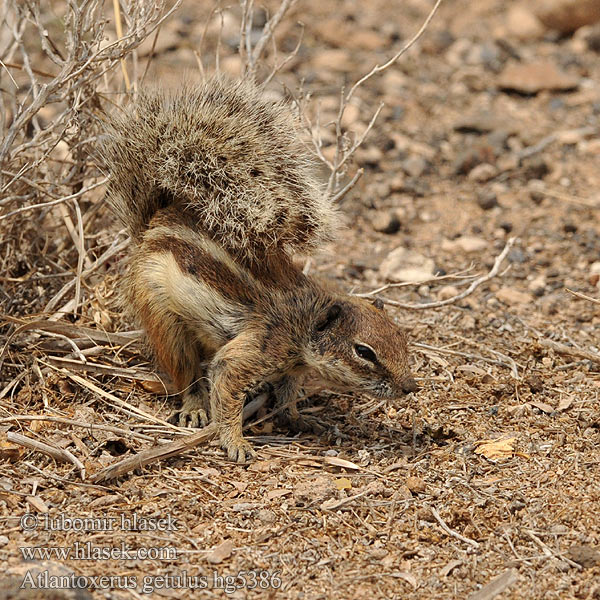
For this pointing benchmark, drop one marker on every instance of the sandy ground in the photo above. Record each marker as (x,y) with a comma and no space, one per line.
(489,471)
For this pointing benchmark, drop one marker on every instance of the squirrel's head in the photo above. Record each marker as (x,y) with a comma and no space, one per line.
(356,346)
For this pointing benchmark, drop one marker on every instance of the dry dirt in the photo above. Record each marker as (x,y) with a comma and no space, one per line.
(404,501)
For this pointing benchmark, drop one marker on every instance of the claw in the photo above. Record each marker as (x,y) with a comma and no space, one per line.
(192,412)
(238,450)
(193,418)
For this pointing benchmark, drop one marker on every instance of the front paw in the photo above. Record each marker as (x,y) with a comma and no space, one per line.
(192,417)
(191,414)
(238,449)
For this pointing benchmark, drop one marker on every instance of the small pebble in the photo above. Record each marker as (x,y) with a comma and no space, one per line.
(483,172)
(487,200)
(414,166)
(447,292)
(536,196)
(386,222)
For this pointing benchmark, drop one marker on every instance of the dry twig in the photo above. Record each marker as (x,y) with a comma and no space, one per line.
(150,455)
(58,454)
(451,532)
(461,275)
(474,285)
(583,296)
(345,150)
(252,56)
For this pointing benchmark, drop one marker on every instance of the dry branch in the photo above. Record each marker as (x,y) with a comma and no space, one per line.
(146,457)
(561,348)
(50,118)
(58,454)
(345,150)
(472,287)
(150,455)
(252,56)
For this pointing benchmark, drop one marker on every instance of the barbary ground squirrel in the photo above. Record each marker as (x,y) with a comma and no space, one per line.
(218,191)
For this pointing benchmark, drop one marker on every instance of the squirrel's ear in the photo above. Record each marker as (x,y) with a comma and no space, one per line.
(378,303)
(333,312)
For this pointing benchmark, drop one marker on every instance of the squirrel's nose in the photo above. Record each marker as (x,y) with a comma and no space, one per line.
(409,385)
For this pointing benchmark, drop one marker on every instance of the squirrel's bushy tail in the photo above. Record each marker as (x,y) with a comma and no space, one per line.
(230,158)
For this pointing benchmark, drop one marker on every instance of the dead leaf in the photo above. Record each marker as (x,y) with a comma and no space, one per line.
(265,466)
(486,481)
(36,426)
(564,403)
(445,571)
(496,449)
(272,494)
(439,360)
(37,503)
(211,472)
(331,504)
(340,462)
(343,483)
(408,577)
(107,500)
(415,484)
(305,462)
(221,552)
(8,450)
(472,369)
(240,486)
(542,406)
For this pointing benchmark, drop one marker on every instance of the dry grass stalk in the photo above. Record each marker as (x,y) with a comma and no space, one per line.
(583,296)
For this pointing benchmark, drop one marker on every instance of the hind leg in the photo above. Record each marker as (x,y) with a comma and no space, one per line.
(175,335)
(188,370)
(180,353)
(189,373)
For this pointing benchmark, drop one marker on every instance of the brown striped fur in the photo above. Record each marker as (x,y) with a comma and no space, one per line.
(225,309)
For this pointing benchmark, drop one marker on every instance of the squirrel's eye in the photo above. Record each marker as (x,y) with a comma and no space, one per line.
(365,352)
